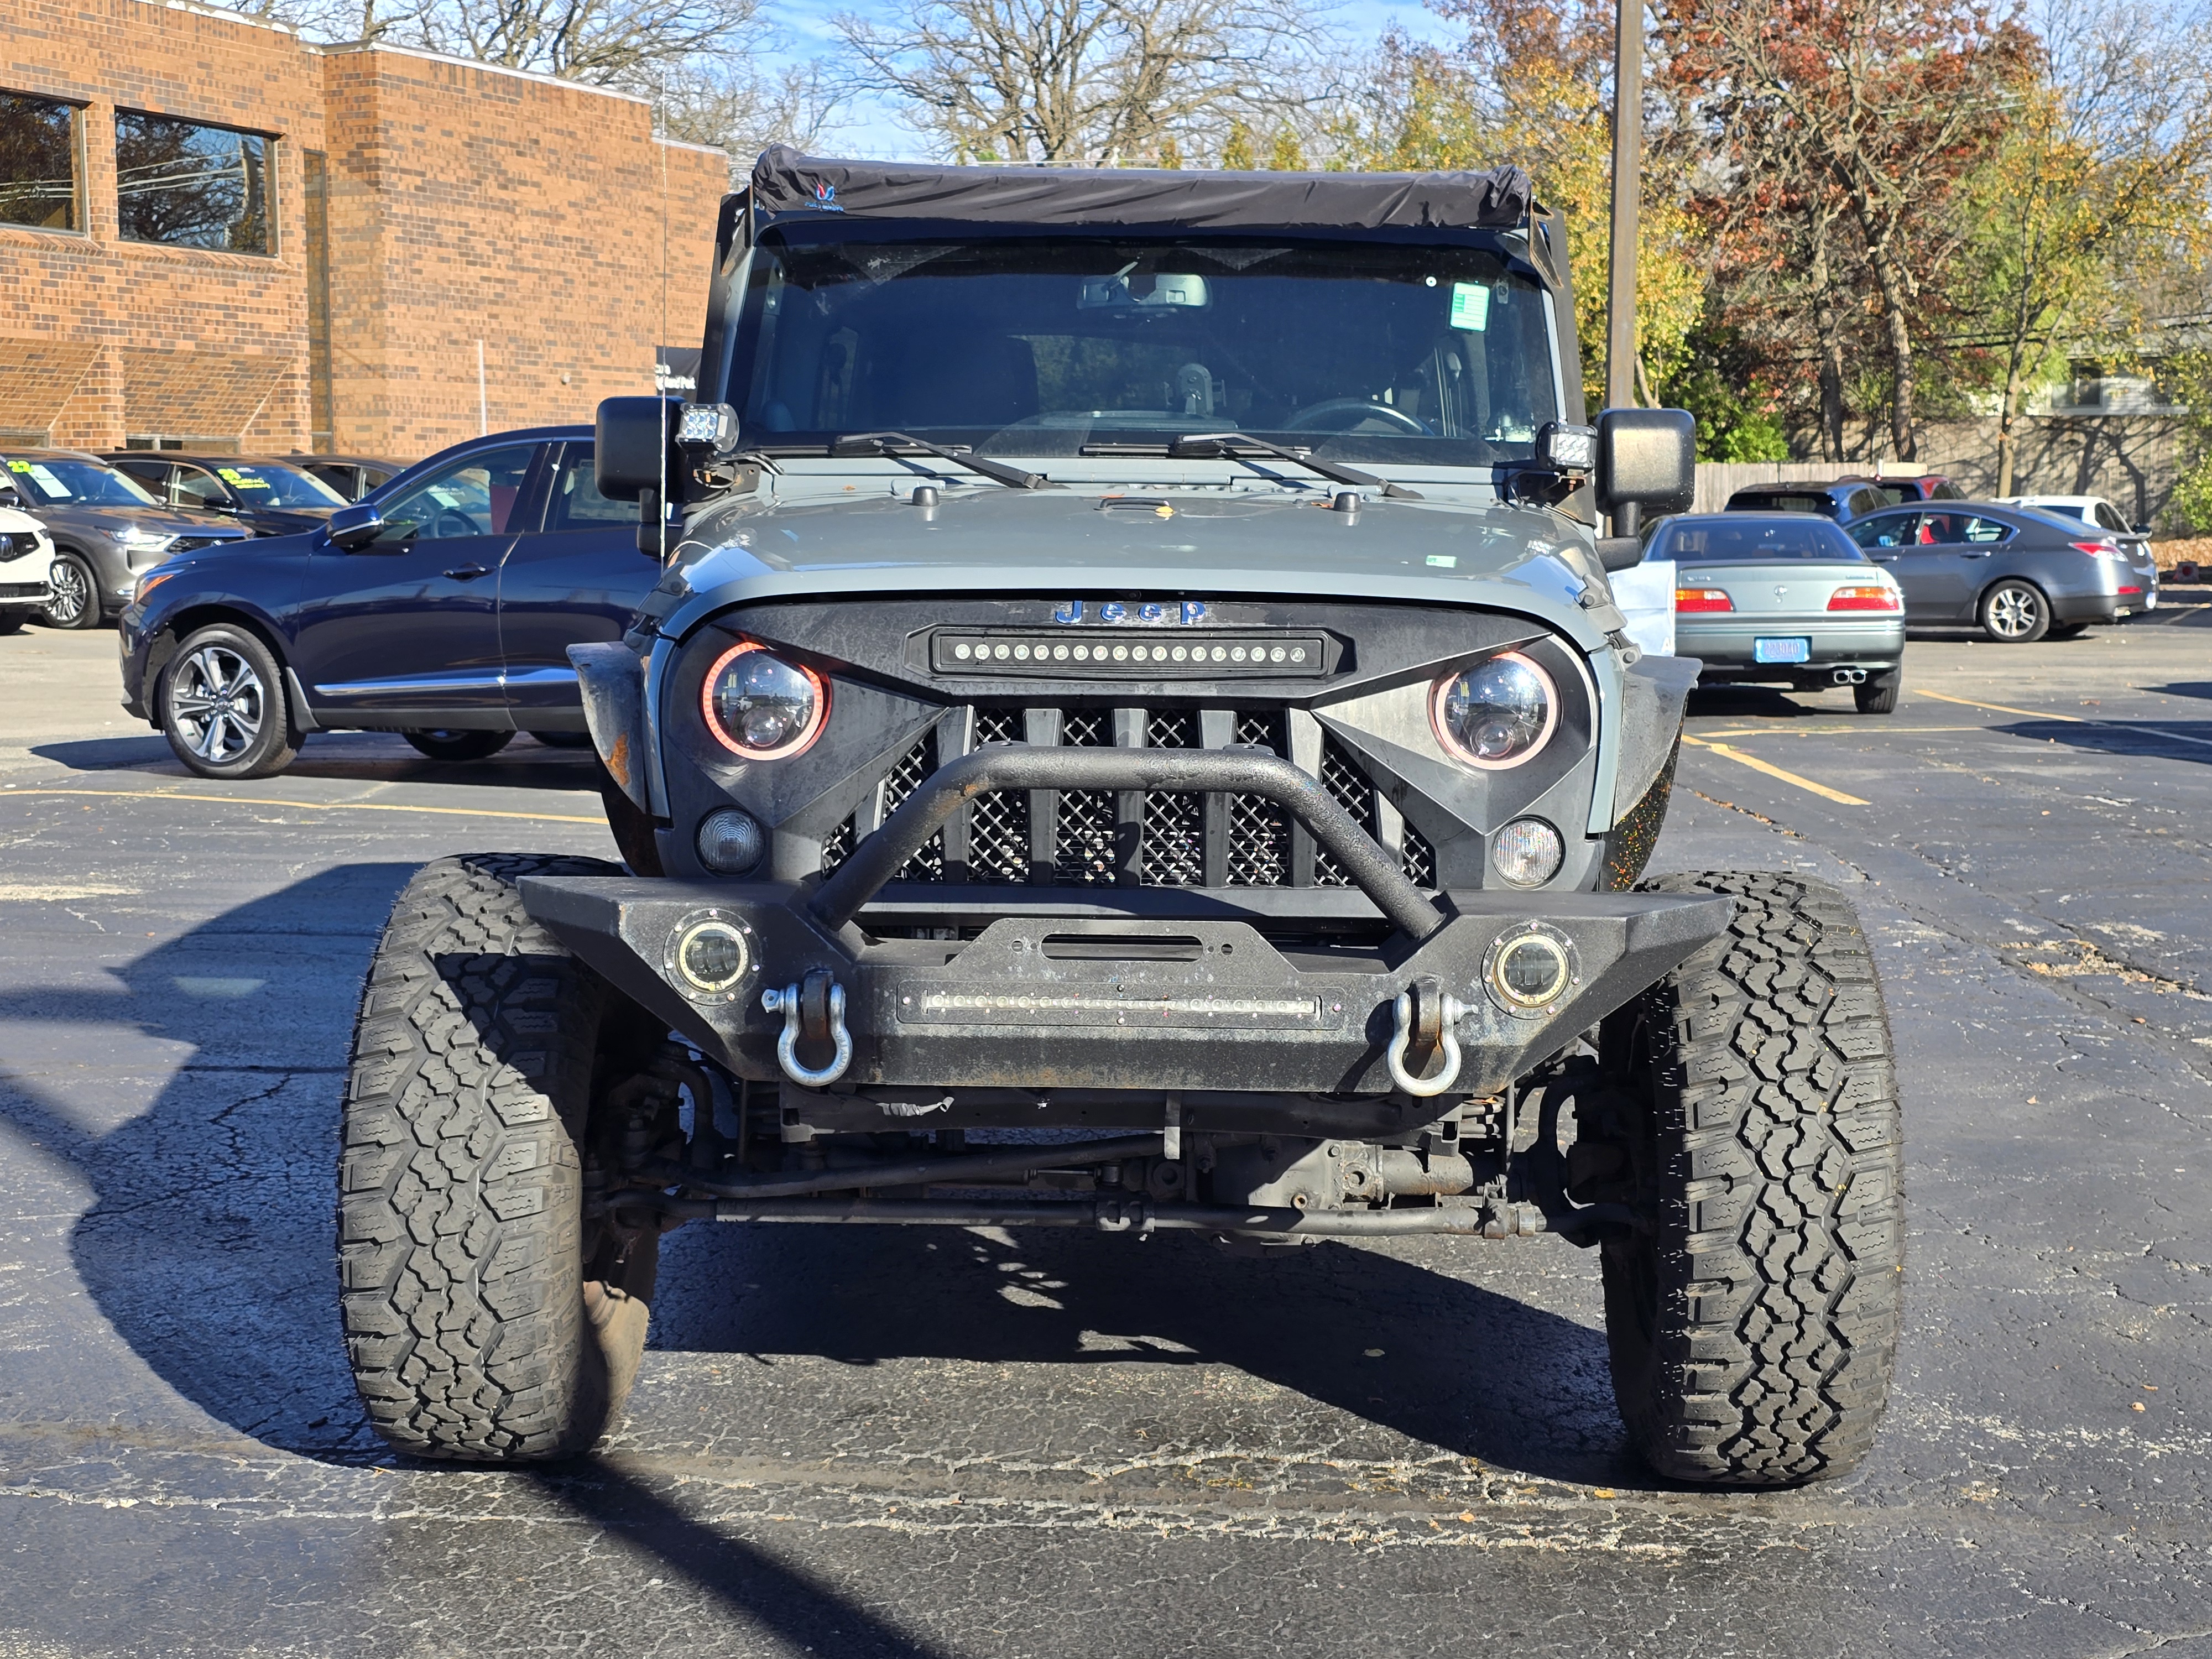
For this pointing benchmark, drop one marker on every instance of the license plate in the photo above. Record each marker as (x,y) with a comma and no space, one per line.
(1781,650)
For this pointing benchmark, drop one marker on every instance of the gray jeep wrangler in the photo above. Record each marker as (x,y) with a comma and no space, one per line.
(1133,733)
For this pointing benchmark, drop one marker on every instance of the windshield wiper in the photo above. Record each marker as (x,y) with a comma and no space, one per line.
(1232,443)
(887,443)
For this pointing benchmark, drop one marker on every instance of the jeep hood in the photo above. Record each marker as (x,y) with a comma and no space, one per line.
(1161,543)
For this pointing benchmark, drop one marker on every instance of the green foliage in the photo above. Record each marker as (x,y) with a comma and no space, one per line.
(2190,374)
(1715,378)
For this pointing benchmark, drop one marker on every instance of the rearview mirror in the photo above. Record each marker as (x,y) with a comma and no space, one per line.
(355,527)
(1647,462)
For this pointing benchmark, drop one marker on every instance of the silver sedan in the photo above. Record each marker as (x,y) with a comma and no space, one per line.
(1784,600)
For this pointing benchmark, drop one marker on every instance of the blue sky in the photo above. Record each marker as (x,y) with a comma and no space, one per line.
(876,131)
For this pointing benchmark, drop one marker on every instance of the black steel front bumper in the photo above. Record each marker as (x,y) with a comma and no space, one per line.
(1154,989)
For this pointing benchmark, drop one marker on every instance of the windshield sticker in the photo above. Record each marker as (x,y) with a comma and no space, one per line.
(237,480)
(1470,307)
(19,467)
(47,480)
(1444,561)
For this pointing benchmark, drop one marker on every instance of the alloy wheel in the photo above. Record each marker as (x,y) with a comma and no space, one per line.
(72,592)
(218,703)
(2013,612)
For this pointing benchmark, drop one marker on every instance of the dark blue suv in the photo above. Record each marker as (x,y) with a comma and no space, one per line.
(451,626)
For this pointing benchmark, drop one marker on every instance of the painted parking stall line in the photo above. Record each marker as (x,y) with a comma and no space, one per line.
(1727,752)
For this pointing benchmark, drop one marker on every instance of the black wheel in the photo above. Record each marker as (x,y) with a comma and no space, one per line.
(1877,693)
(1753,1329)
(76,603)
(220,704)
(2014,612)
(563,739)
(484,1318)
(443,745)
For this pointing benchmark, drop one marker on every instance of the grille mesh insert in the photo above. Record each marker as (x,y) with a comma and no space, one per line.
(1083,847)
(1170,835)
(999,822)
(1259,830)
(1173,851)
(916,765)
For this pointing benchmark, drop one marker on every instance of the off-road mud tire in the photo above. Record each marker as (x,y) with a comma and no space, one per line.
(476,1325)
(1754,1329)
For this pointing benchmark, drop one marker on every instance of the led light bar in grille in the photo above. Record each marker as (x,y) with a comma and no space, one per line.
(1099,653)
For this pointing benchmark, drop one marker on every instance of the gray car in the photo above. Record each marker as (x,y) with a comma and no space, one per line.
(2017,574)
(107,530)
(1785,600)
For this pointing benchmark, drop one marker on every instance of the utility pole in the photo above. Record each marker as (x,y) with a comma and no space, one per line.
(1627,194)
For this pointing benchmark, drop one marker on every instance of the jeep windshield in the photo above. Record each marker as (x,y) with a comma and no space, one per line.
(1064,344)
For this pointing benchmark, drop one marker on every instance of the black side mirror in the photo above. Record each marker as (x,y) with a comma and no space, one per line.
(635,447)
(1618,553)
(2142,529)
(355,527)
(1647,462)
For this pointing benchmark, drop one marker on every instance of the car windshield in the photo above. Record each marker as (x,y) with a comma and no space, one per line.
(51,482)
(1753,540)
(277,486)
(1046,344)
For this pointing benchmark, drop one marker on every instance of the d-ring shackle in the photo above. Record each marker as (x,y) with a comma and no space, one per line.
(1402,1036)
(787,1046)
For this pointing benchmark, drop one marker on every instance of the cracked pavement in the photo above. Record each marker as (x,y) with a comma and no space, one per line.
(944,1444)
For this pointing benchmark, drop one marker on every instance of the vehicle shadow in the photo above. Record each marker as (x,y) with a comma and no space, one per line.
(1768,702)
(207,1246)
(351,756)
(2184,740)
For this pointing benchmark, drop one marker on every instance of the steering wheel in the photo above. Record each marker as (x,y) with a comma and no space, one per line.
(443,527)
(1313,416)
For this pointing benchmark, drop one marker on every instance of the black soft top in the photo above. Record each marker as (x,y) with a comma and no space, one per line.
(786,184)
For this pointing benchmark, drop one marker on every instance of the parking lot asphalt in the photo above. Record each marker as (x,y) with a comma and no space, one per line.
(944,1444)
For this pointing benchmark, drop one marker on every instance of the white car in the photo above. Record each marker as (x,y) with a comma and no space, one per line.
(2101,515)
(27,567)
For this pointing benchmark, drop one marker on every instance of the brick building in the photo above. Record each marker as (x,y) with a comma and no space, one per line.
(214,234)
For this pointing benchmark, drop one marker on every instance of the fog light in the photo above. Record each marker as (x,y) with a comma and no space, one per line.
(1528,852)
(710,955)
(731,842)
(1530,970)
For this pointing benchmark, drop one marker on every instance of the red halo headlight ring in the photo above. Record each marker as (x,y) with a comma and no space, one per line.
(1438,722)
(798,742)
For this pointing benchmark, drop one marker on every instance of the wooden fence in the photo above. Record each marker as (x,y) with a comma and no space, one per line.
(1719,480)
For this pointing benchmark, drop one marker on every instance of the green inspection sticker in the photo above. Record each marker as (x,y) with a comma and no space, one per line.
(1470,307)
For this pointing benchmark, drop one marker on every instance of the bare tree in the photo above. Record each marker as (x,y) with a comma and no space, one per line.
(2106,173)
(1098,81)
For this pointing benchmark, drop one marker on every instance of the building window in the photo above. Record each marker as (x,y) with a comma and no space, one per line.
(38,163)
(192,185)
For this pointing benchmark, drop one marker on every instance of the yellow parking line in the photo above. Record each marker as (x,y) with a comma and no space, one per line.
(2071,719)
(2032,713)
(310,806)
(1773,771)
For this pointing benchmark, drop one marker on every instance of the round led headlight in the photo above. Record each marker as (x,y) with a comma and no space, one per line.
(730,841)
(710,955)
(762,707)
(1530,969)
(1495,714)
(1527,853)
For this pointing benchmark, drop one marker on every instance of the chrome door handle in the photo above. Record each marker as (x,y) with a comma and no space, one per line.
(1974,555)
(469,573)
